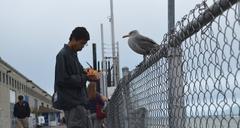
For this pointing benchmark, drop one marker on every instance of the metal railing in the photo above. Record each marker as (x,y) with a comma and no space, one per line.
(194,82)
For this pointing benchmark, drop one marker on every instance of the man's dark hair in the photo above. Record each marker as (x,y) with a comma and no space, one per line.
(20,97)
(79,33)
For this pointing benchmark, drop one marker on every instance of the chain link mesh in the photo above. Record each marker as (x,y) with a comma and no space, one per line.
(197,85)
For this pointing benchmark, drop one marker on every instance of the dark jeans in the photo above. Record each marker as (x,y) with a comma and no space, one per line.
(77,118)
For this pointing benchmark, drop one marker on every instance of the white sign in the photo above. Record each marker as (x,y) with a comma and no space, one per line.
(12,96)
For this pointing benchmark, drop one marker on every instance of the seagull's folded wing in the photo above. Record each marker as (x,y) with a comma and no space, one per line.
(145,42)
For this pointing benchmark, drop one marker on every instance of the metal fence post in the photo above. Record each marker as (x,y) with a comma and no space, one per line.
(125,113)
(125,94)
(176,90)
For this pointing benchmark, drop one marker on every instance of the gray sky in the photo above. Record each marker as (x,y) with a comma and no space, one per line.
(32,32)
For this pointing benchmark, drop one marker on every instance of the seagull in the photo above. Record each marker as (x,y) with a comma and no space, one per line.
(141,44)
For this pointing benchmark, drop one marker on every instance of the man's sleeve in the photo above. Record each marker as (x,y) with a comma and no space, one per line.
(28,110)
(63,79)
(15,111)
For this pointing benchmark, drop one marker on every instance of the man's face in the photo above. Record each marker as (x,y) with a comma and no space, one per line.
(80,44)
(20,101)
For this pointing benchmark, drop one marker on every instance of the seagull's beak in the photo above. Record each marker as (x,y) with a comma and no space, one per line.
(125,36)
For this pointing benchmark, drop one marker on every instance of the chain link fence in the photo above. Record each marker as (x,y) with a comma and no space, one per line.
(193,81)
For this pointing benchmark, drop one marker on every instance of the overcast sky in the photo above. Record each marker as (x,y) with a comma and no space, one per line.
(33,31)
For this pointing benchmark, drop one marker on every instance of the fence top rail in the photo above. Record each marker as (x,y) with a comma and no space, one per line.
(203,19)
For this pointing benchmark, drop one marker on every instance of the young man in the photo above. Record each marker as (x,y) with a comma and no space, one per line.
(21,112)
(70,81)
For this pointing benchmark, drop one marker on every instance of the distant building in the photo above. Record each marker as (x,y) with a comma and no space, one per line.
(12,84)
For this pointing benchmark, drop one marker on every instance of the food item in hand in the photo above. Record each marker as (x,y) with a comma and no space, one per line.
(92,72)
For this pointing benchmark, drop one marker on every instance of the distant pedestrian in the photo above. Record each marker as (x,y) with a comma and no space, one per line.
(63,120)
(95,105)
(21,112)
(70,93)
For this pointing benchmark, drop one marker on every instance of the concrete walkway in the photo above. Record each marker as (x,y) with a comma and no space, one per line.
(54,127)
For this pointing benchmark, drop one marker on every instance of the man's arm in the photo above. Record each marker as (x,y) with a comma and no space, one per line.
(28,109)
(63,79)
(15,111)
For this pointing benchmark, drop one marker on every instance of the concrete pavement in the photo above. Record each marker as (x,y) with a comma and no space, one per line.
(54,127)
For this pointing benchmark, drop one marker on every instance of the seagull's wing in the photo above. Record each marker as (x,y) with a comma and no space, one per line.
(133,44)
(146,43)
(144,38)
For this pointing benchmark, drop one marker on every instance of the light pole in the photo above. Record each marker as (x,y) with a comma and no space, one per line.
(115,68)
(103,80)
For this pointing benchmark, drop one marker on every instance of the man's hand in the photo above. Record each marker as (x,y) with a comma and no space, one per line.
(93,74)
